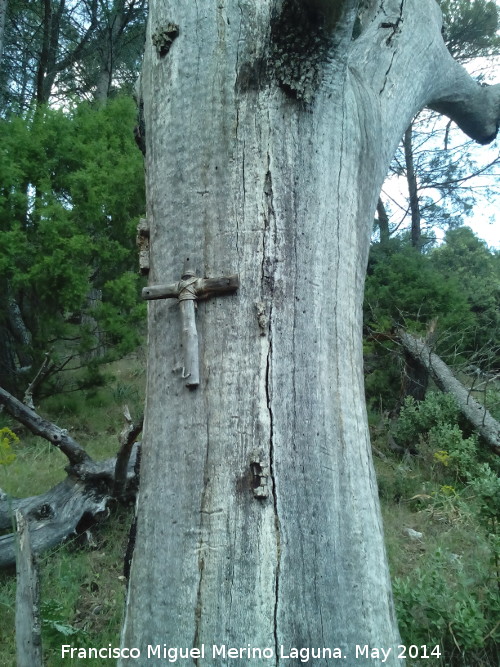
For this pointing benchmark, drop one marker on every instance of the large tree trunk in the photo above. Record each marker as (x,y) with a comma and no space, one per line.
(258,520)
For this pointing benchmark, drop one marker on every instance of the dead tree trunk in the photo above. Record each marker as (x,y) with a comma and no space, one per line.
(475,413)
(270,128)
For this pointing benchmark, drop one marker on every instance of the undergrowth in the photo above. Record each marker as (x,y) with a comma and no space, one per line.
(446,572)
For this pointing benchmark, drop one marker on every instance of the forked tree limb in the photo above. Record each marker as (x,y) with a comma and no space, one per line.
(475,413)
(44,428)
(78,501)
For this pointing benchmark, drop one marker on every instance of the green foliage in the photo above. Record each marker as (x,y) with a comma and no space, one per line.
(71,191)
(403,288)
(435,606)
(471,27)
(455,287)
(7,439)
(451,597)
(417,418)
(465,258)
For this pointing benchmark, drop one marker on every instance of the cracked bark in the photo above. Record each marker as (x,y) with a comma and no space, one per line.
(243,175)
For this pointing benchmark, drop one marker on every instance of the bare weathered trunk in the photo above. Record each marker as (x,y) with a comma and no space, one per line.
(267,144)
(95,348)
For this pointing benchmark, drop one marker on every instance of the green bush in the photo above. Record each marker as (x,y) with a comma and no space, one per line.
(439,604)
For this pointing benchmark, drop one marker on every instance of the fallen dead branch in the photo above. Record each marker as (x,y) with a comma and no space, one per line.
(475,413)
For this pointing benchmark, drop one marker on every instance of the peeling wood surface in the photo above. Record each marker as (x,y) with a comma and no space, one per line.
(57,514)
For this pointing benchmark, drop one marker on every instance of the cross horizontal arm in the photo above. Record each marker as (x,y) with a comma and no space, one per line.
(161,292)
(203,287)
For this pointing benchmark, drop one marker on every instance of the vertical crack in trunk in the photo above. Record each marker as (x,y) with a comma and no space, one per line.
(277,528)
(198,609)
(395,29)
(268,288)
(201,544)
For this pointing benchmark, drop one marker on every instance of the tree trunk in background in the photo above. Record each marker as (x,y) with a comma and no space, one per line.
(111,33)
(21,333)
(3,14)
(383,222)
(95,348)
(269,133)
(411,178)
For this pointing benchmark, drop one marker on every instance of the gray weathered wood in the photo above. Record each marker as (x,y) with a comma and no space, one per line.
(42,427)
(268,143)
(128,438)
(28,626)
(55,516)
(478,416)
(204,288)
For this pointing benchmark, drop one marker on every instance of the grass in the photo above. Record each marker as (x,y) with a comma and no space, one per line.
(82,594)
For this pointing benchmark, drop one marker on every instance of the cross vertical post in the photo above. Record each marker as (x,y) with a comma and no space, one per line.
(188,291)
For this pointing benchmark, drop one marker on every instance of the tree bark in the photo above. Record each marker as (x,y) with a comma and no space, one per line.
(111,33)
(267,146)
(28,626)
(475,413)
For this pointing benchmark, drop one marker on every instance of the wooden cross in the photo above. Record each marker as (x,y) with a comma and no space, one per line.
(187,291)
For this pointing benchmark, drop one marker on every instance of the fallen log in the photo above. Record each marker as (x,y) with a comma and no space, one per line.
(73,505)
(475,413)
(64,511)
